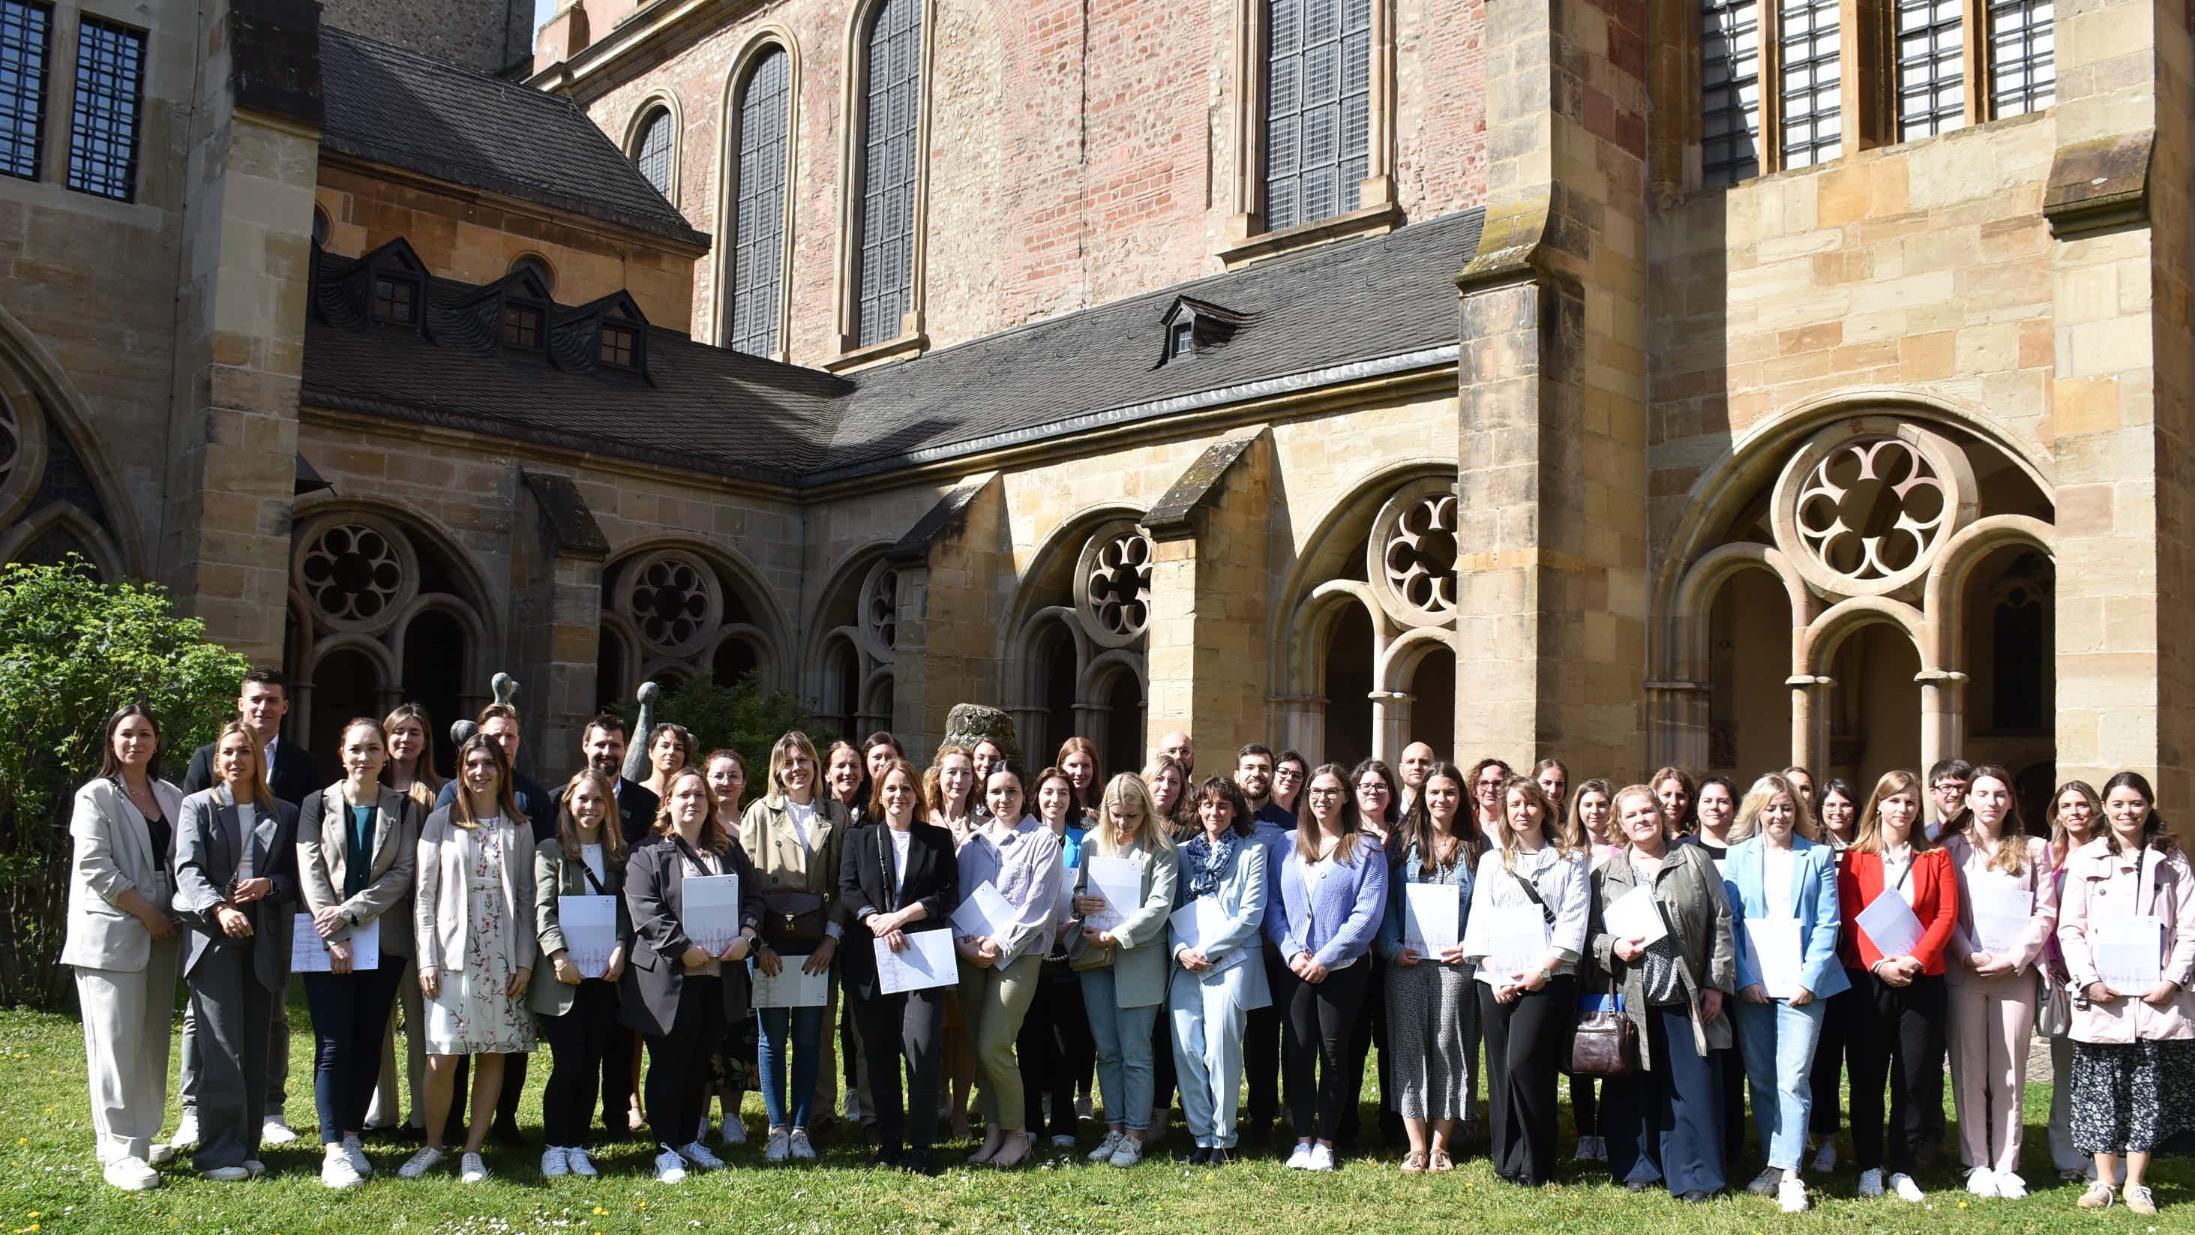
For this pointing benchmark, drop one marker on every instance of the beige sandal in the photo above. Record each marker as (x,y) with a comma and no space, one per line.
(1413,1163)
(1440,1162)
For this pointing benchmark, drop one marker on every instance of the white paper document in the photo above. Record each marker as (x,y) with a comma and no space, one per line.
(1890,925)
(710,911)
(984,915)
(1431,914)
(792,987)
(2003,910)
(1635,916)
(590,931)
(2130,953)
(309,953)
(1508,939)
(1777,951)
(928,961)
(1201,919)
(1120,882)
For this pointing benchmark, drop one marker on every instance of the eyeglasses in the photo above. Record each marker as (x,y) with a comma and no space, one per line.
(1326,793)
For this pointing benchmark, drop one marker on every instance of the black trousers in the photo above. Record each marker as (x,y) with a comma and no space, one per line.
(1585,1110)
(1320,1018)
(1897,1036)
(1371,1031)
(1824,1116)
(908,1027)
(1732,1063)
(1261,1047)
(1527,1043)
(582,1044)
(350,1012)
(678,1062)
(1054,1048)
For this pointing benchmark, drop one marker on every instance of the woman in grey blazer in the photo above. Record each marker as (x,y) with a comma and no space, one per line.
(357,851)
(1218,976)
(123,942)
(235,883)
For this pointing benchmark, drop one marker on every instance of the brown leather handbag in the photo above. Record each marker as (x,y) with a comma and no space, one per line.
(1606,1043)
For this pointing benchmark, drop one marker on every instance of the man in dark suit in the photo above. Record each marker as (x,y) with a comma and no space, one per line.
(604,742)
(261,703)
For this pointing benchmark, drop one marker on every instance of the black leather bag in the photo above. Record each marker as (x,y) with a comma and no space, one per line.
(793,922)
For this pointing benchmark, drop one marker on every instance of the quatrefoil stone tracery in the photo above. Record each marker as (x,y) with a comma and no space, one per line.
(1419,556)
(356,574)
(674,602)
(1872,509)
(1116,586)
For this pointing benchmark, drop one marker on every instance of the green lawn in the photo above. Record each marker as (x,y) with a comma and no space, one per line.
(48,1184)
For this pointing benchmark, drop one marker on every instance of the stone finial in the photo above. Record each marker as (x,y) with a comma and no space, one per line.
(461,730)
(969,723)
(636,749)
(505,687)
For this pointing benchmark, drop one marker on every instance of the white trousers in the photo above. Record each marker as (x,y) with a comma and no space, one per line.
(127,1021)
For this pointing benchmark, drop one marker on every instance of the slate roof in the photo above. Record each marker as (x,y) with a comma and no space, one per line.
(389,105)
(1382,303)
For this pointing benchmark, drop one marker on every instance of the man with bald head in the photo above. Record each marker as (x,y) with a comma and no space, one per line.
(1177,747)
(1417,760)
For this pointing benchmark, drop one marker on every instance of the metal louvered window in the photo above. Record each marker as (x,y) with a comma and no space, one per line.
(1931,67)
(1318,108)
(110,85)
(2023,57)
(758,248)
(26,33)
(1730,91)
(890,165)
(652,155)
(1811,88)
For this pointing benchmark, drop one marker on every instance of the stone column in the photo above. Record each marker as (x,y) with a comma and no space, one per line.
(1552,442)
(952,566)
(1390,724)
(557,558)
(1210,609)
(1809,723)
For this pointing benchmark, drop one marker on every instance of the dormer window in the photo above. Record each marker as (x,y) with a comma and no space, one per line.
(620,346)
(395,300)
(1194,326)
(1184,340)
(522,326)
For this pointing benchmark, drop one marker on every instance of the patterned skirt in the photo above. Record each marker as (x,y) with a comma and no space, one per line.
(1432,1034)
(2132,1097)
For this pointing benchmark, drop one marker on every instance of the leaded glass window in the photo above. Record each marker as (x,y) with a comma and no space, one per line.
(1730,91)
(890,166)
(1931,67)
(26,32)
(653,152)
(110,84)
(2023,57)
(758,249)
(1812,94)
(1318,108)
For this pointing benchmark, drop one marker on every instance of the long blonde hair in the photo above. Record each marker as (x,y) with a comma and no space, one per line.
(256,794)
(1757,799)
(2061,840)
(1563,835)
(1869,838)
(1128,791)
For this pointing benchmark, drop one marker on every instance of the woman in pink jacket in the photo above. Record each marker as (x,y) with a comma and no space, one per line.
(2134,1038)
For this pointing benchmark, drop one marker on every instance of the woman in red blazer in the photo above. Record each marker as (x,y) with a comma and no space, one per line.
(1898,1015)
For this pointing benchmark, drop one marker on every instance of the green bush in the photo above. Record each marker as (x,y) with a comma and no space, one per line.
(72,650)
(743,716)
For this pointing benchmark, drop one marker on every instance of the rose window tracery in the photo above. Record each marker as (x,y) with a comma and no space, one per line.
(1872,509)
(880,609)
(674,602)
(1113,586)
(357,574)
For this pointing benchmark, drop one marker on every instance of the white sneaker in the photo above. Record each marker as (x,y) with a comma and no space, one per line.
(778,1148)
(186,1132)
(735,1131)
(1981,1181)
(336,1170)
(131,1175)
(1104,1151)
(471,1170)
(1300,1159)
(670,1168)
(254,1167)
(2010,1186)
(1766,1183)
(853,1106)
(554,1163)
(1825,1158)
(1791,1195)
(159,1154)
(1871,1183)
(422,1162)
(698,1154)
(275,1132)
(225,1174)
(1322,1158)
(577,1161)
(356,1153)
(1127,1153)
(1906,1189)
(803,1150)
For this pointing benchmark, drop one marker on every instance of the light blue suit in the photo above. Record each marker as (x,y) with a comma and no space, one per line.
(1211,1009)
(1777,1039)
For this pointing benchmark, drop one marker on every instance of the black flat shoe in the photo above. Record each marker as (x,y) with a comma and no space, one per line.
(1696,1197)
(1636,1185)
(1218,1157)
(919,1162)
(1201,1157)
(890,1159)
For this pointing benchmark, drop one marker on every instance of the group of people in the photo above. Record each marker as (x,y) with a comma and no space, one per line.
(998,936)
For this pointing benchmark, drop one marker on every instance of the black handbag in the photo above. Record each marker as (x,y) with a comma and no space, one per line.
(793,922)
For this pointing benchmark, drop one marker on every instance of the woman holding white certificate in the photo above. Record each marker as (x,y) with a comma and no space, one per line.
(1000,968)
(687,978)
(1219,974)
(1661,930)
(1901,903)
(473,924)
(1529,904)
(2076,817)
(2128,934)
(1124,901)
(898,879)
(1785,899)
(1432,1004)
(585,932)
(2008,907)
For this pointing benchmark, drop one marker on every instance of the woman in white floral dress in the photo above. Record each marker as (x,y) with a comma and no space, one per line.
(474,929)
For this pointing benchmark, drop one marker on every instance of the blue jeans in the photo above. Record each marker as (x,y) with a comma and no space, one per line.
(1779,1060)
(1123,1051)
(807,1053)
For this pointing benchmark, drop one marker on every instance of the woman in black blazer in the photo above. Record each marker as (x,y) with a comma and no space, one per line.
(897,876)
(678,994)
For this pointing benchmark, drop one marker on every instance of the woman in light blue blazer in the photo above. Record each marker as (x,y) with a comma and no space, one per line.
(1785,886)
(1219,975)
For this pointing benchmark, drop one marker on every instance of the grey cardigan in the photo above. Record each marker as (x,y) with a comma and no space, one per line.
(1692,900)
